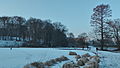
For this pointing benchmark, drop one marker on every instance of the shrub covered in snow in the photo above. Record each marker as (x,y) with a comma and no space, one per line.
(70,65)
(80,63)
(91,64)
(58,59)
(84,59)
(48,63)
(35,65)
(63,58)
(77,57)
(53,61)
(95,58)
(86,55)
(72,53)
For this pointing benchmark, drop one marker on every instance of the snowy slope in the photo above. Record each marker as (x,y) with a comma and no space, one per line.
(18,57)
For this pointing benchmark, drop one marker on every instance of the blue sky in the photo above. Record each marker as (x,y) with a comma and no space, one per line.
(75,14)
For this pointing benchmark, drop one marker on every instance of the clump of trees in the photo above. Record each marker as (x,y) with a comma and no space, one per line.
(82,41)
(71,40)
(33,31)
(115,29)
(107,30)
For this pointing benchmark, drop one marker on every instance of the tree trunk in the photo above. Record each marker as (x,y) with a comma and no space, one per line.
(102,38)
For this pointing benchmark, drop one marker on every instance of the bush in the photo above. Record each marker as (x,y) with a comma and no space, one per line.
(95,58)
(86,55)
(70,65)
(38,64)
(28,66)
(91,64)
(72,53)
(84,59)
(48,63)
(80,63)
(63,58)
(77,57)
(53,61)
(35,65)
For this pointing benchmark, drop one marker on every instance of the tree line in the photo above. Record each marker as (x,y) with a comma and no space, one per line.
(45,33)
(33,31)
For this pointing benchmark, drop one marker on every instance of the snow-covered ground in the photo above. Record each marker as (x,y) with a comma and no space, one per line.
(109,59)
(18,57)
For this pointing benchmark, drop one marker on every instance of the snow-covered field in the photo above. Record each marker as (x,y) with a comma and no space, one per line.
(18,57)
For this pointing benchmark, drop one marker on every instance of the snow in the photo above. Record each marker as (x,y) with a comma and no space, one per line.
(18,57)
(109,59)
(10,43)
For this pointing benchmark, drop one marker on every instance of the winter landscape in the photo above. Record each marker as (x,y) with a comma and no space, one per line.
(19,57)
(59,34)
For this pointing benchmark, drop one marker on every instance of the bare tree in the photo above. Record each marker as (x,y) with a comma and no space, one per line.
(98,20)
(115,25)
(4,20)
